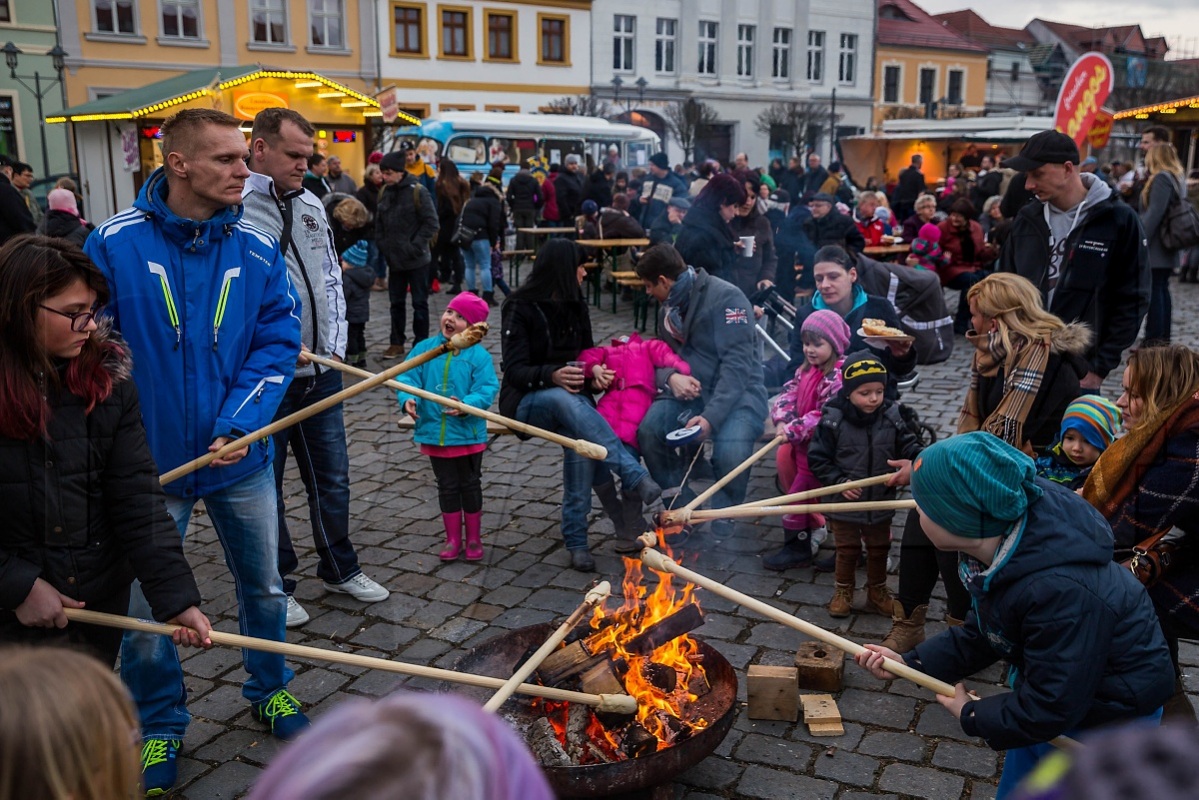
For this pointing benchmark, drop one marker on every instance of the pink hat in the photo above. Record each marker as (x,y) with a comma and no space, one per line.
(470,307)
(374,158)
(930,232)
(62,200)
(829,326)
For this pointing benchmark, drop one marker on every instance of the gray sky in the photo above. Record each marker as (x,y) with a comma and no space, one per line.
(1178,20)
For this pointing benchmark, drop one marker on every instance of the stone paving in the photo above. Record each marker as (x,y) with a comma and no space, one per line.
(897,742)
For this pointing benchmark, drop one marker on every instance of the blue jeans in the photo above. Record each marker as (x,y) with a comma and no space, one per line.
(732,443)
(245,516)
(477,256)
(572,415)
(1157,321)
(319,446)
(963,282)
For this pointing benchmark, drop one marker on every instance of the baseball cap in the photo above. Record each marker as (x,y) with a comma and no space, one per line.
(823,197)
(680,202)
(781,196)
(1046,147)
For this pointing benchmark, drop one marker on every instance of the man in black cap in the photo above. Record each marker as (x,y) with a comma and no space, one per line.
(830,226)
(661,185)
(14,213)
(1082,248)
(404,224)
(911,185)
(667,228)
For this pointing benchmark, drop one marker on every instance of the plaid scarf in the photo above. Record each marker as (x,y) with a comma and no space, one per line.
(1119,470)
(1025,369)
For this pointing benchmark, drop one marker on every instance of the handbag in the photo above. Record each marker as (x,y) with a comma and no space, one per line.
(463,234)
(1180,229)
(497,265)
(1151,559)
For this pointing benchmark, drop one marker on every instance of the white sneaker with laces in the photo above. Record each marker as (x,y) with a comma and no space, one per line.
(296,615)
(361,588)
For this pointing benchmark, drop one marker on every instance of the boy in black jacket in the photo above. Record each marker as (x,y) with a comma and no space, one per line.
(861,434)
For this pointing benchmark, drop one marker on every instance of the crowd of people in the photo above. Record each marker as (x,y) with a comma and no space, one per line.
(201,314)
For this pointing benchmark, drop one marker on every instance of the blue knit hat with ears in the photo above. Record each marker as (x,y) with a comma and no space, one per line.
(974,485)
(357,254)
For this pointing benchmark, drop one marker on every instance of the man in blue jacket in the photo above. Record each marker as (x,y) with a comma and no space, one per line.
(205,303)
(660,186)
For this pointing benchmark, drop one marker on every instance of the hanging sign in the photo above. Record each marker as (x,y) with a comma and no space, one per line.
(1084,90)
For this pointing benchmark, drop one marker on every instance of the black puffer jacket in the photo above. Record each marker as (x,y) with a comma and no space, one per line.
(835,228)
(84,508)
(848,445)
(539,337)
(706,241)
(485,213)
(524,192)
(65,225)
(405,224)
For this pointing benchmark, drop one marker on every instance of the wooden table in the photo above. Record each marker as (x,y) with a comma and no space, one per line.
(888,252)
(608,247)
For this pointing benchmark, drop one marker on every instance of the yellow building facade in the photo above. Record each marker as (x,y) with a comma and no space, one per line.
(905,78)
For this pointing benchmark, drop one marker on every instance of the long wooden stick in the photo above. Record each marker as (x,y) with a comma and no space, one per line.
(615,703)
(747,512)
(823,491)
(580,446)
(656,561)
(720,484)
(597,595)
(469,337)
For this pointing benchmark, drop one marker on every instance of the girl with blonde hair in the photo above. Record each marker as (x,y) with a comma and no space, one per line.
(68,730)
(1026,367)
(1163,189)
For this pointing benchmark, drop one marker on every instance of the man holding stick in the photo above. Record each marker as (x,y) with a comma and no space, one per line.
(276,201)
(205,303)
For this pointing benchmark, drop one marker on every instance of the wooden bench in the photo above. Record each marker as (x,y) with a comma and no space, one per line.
(641,300)
(515,259)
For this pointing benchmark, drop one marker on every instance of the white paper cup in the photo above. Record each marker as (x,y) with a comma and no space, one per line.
(747,246)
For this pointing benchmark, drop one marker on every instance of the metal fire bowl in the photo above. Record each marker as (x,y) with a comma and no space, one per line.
(499,657)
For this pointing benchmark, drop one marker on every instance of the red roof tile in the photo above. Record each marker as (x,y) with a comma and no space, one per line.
(976,29)
(902,23)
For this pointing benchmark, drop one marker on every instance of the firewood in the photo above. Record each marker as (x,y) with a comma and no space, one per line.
(660,676)
(821,715)
(578,717)
(601,678)
(567,662)
(543,741)
(638,741)
(685,620)
(772,693)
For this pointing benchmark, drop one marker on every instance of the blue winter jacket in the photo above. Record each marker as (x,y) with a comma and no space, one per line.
(1079,631)
(470,376)
(213,323)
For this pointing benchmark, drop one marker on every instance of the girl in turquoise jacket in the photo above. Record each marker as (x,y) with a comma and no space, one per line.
(454,441)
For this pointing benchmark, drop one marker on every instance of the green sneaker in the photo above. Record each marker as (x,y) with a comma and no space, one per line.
(160,769)
(282,713)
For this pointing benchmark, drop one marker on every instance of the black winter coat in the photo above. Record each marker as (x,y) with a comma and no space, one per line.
(356,285)
(763,264)
(484,212)
(524,192)
(568,188)
(848,446)
(85,511)
(835,228)
(539,337)
(1104,279)
(405,224)
(706,241)
(910,186)
(14,214)
(1079,631)
(599,189)
(65,225)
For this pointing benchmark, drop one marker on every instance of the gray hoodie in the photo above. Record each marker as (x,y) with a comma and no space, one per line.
(1062,222)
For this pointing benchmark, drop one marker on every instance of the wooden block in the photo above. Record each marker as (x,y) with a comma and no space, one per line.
(772,692)
(827,729)
(821,668)
(819,708)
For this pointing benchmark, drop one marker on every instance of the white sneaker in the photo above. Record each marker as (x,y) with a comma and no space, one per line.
(361,588)
(818,538)
(296,615)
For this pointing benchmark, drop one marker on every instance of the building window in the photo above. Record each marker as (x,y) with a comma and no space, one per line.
(745,50)
(181,18)
(848,71)
(891,76)
(954,95)
(115,16)
(5,11)
(455,33)
(624,27)
(781,62)
(707,48)
(1015,71)
(268,21)
(501,36)
(408,29)
(816,56)
(664,45)
(326,21)
(555,39)
(928,86)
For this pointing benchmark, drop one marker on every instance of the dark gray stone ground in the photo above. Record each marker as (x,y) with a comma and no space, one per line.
(897,742)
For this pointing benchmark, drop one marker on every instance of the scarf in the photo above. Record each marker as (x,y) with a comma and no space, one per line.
(677,302)
(1118,472)
(1021,384)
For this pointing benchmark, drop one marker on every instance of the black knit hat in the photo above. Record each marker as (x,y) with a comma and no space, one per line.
(393,162)
(860,369)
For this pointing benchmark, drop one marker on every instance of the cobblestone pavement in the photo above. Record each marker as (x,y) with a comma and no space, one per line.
(897,741)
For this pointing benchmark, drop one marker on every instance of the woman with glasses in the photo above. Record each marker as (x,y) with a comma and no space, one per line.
(84,510)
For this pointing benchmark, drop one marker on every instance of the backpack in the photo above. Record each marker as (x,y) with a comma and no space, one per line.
(918,300)
(1180,228)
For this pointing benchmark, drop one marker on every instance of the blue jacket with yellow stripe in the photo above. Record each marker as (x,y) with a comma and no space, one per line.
(213,324)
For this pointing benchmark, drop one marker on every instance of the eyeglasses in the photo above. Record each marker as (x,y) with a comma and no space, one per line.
(79,319)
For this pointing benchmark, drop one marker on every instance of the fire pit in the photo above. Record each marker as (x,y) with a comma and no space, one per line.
(685,690)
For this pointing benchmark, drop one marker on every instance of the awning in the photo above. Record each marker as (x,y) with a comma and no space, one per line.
(1168,107)
(161,96)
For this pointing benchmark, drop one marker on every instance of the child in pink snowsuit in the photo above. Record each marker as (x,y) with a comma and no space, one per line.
(632,388)
(796,413)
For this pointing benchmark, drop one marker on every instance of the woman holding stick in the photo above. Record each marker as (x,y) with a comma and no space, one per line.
(546,325)
(85,511)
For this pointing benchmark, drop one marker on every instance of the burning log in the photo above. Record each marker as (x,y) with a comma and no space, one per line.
(683,621)
(603,674)
(567,662)
(638,741)
(661,676)
(543,741)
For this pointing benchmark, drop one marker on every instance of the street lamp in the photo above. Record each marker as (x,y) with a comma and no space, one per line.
(58,60)
(641,84)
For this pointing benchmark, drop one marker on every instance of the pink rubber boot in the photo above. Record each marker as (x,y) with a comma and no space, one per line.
(474,539)
(453,536)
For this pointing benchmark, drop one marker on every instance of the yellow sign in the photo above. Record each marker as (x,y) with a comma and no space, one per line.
(246,105)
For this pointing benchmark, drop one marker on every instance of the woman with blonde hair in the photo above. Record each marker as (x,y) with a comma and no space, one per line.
(68,730)
(1144,483)
(1026,367)
(1163,189)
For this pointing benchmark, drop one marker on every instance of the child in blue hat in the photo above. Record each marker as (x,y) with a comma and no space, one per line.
(356,282)
(1088,427)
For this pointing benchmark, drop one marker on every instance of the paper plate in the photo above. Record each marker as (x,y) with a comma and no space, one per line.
(868,338)
(682,436)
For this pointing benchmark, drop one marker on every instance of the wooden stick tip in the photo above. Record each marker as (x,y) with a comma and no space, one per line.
(617,704)
(655,560)
(599,593)
(649,539)
(591,450)
(469,337)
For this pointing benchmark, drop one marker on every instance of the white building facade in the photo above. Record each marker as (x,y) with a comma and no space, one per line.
(839,30)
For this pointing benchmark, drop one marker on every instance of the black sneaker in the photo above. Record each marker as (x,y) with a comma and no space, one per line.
(792,555)
(582,560)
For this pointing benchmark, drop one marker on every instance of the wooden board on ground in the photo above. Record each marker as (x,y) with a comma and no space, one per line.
(773,693)
(821,715)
